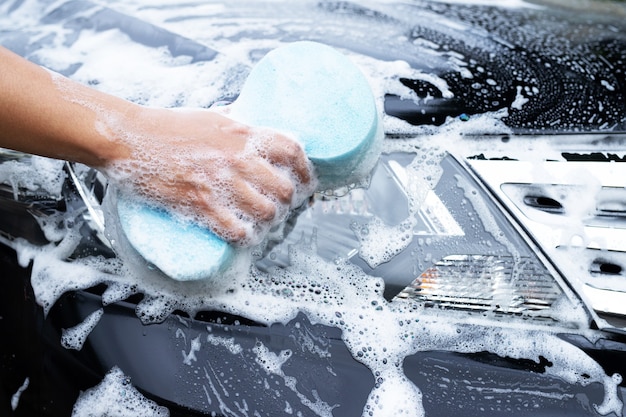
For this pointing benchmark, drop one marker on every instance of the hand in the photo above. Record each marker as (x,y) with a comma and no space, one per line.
(237,180)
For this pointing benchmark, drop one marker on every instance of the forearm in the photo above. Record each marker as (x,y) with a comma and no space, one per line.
(46,114)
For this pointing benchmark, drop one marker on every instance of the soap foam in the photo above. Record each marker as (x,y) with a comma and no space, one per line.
(380,242)
(75,337)
(228,343)
(35,174)
(116,396)
(378,333)
(15,398)
(272,364)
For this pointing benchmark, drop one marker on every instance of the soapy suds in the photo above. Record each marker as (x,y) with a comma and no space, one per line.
(189,358)
(228,343)
(378,333)
(272,364)
(38,174)
(15,399)
(312,343)
(417,181)
(116,396)
(352,301)
(75,337)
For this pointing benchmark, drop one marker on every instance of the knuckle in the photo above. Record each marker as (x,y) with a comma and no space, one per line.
(293,149)
(235,232)
(285,191)
(240,234)
(267,211)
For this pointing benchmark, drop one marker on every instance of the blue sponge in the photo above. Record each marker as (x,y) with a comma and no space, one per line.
(305,88)
(182,250)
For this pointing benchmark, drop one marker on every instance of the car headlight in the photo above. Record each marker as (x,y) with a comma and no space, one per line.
(501,284)
(441,240)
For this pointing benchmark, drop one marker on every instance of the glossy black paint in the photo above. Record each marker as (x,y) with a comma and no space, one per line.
(152,356)
(566,64)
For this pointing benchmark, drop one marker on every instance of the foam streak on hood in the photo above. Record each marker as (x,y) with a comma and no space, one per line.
(379,334)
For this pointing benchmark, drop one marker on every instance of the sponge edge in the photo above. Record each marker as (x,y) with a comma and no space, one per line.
(306,89)
(184,251)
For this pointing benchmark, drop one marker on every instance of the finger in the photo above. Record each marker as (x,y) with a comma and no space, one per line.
(223,221)
(267,179)
(284,151)
(252,203)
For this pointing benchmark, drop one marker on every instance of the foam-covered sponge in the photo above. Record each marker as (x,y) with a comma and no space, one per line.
(307,89)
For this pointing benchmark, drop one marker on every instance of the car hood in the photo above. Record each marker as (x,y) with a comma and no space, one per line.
(471,86)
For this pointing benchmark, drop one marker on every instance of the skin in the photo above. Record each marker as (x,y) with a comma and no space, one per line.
(225,174)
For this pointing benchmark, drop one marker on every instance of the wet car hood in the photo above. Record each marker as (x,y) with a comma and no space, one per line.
(479,81)
(553,69)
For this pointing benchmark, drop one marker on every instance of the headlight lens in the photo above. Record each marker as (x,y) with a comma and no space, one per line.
(500,284)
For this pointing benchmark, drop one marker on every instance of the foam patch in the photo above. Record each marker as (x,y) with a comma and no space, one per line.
(306,89)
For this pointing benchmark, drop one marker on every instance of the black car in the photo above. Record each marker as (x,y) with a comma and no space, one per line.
(479,270)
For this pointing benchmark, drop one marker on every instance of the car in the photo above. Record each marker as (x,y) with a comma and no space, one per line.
(478,270)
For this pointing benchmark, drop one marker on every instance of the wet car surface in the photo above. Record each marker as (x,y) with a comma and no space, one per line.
(478,271)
